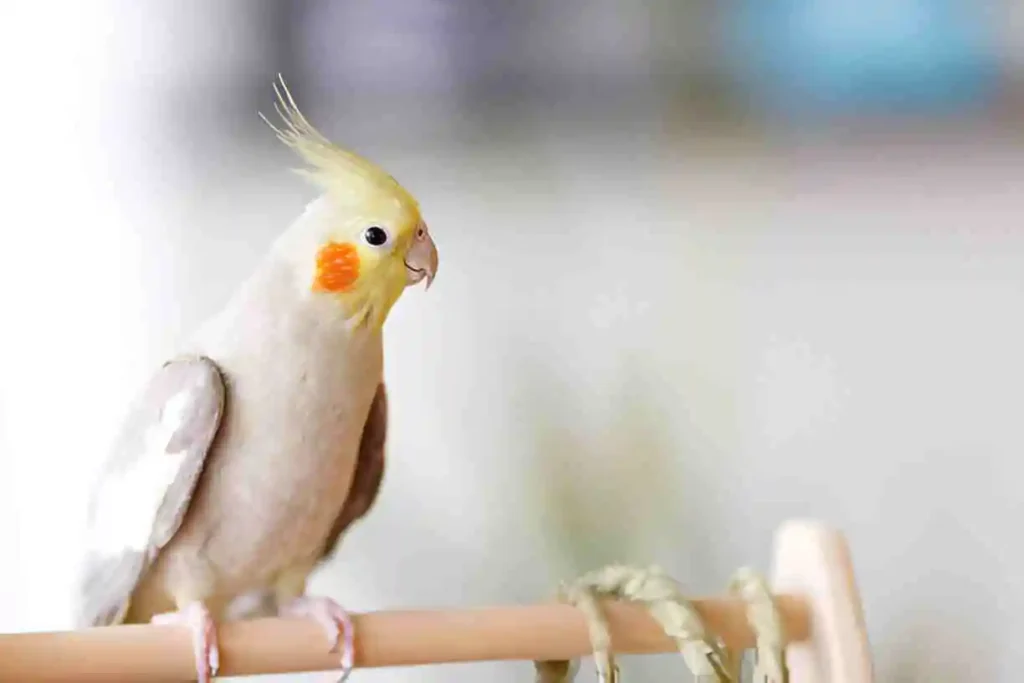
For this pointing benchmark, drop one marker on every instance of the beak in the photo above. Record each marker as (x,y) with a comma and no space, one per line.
(421,259)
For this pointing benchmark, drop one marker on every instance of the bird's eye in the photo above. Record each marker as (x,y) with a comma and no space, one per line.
(375,236)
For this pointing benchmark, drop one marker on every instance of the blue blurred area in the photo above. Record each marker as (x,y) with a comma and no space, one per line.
(810,58)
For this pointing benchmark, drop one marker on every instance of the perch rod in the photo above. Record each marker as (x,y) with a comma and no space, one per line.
(392,638)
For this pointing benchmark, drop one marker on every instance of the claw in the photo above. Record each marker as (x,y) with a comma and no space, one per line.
(204,637)
(336,624)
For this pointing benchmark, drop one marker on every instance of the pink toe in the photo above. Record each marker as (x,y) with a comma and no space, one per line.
(337,625)
(204,637)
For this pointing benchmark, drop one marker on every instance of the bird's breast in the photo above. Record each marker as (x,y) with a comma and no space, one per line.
(285,455)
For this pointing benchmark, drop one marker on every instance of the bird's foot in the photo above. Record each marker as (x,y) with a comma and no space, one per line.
(336,624)
(204,637)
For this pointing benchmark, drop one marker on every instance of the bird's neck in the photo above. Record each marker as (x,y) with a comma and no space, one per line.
(272,308)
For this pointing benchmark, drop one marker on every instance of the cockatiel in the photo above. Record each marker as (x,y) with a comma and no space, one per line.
(247,457)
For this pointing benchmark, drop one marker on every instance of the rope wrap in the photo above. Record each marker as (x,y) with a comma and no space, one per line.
(702,652)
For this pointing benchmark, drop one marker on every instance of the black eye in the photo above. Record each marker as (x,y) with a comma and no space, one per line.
(375,236)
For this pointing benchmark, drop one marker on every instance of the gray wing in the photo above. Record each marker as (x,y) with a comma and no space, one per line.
(369,471)
(144,489)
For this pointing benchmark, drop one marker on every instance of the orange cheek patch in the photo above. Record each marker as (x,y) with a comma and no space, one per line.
(337,267)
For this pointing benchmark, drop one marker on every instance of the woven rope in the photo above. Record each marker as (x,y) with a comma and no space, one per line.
(702,652)
(764,619)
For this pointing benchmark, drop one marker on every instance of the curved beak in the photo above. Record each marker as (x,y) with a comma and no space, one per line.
(421,259)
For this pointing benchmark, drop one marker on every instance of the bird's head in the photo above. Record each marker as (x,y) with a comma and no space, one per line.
(363,241)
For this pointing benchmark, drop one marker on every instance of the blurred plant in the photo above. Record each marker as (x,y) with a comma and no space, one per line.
(601,496)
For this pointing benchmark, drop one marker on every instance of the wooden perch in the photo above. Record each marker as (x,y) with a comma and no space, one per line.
(816,598)
(263,646)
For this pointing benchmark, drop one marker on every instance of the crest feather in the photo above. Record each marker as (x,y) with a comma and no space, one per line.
(331,167)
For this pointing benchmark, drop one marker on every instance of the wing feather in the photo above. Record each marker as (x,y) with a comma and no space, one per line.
(144,489)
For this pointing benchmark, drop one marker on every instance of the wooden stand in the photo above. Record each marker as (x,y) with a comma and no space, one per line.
(813,561)
(816,596)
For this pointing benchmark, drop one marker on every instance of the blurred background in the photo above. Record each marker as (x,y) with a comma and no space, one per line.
(705,265)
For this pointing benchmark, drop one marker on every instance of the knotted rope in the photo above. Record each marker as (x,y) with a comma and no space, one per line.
(704,654)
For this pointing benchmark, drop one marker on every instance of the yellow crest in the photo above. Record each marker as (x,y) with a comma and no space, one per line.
(341,173)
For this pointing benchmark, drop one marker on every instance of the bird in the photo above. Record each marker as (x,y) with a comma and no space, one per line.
(254,448)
